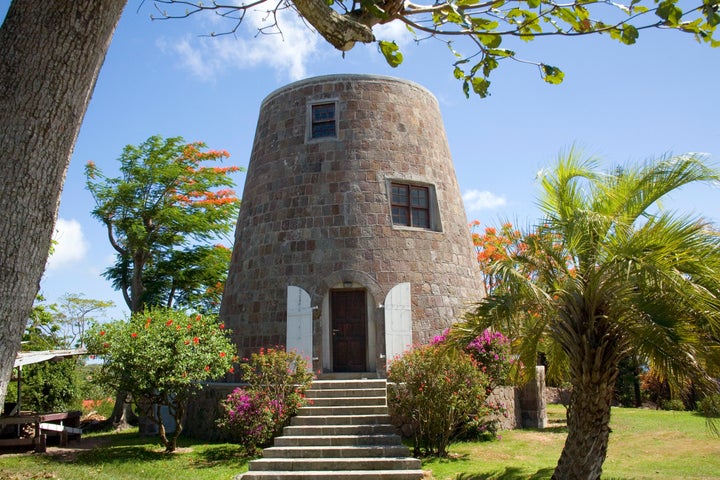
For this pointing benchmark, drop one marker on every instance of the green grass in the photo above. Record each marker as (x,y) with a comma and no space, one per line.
(644,444)
(129,456)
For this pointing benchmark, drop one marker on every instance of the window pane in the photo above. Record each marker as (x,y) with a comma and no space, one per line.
(325,111)
(420,218)
(400,216)
(325,129)
(399,194)
(419,197)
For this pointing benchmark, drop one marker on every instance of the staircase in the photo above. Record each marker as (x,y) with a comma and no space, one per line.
(343,433)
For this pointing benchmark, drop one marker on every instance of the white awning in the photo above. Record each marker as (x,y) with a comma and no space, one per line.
(28,358)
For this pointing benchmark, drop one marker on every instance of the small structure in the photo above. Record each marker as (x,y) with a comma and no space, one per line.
(14,421)
(352,242)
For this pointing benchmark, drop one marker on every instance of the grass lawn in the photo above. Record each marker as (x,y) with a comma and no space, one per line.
(645,444)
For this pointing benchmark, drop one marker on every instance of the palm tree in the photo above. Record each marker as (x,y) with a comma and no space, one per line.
(609,274)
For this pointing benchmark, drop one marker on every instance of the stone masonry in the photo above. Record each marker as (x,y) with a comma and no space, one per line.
(316,214)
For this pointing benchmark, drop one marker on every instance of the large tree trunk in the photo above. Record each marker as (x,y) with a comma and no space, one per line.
(51,56)
(588,419)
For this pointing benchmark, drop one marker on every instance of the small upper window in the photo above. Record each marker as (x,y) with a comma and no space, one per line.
(410,205)
(323,120)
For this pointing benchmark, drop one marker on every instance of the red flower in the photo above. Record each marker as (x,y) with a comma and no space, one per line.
(222,354)
(106,345)
(187,342)
(133,335)
(168,323)
(231,370)
(196,340)
(207,368)
(198,317)
(102,332)
(222,326)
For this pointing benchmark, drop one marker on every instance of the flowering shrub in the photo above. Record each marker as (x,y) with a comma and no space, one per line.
(439,391)
(491,351)
(276,382)
(161,357)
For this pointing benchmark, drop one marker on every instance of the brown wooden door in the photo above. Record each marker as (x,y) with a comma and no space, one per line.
(349,330)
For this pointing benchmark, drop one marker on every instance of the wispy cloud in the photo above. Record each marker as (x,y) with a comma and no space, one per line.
(71,245)
(476,200)
(287,52)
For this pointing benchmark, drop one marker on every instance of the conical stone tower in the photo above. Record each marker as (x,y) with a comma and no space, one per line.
(352,242)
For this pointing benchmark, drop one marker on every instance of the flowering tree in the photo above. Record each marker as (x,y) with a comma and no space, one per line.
(163,214)
(160,357)
(276,382)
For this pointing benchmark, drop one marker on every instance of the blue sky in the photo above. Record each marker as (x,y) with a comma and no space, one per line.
(621,103)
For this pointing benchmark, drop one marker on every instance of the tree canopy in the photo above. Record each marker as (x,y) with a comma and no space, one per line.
(474,30)
(607,274)
(162,215)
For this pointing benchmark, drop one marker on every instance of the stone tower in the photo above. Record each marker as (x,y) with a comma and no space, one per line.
(352,241)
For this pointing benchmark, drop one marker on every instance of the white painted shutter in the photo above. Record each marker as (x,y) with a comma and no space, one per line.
(398,321)
(299,323)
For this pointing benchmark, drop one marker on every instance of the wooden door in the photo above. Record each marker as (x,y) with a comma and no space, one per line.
(349,330)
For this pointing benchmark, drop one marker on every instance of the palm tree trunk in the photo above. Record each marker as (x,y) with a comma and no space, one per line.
(588,419)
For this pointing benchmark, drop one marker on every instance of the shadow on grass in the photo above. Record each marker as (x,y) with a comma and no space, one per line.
(510,473)
(129,447)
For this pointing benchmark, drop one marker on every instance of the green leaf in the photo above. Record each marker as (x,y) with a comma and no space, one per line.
(669,12)
(458,73)
(391,52)
(533,3)
(629,34)
(552,74)
(490,41)
(480,86)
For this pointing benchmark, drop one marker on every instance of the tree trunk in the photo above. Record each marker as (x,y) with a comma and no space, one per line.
(588,421)
(51,56)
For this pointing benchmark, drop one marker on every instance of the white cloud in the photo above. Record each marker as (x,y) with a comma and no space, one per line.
(287,52)
(71,245)
(476,200)
(395,31)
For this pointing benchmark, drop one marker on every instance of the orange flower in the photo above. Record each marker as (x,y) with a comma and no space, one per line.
(133,335)
(102,332)
(196,340)
(222,354)
(231,370)
(168,323)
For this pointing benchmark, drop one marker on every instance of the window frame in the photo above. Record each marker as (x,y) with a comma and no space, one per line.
(430,208)
(311,122)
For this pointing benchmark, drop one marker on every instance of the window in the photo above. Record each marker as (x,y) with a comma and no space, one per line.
(410,205)
(323,120)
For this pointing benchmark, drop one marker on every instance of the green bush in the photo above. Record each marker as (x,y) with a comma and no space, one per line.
(46,386)
(438,391)
(710,406)
(672,405)
(276,382)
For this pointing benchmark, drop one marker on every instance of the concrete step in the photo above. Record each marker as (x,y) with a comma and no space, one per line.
(340,420)
(362,451)
(313,411)
(349,475)
(346,392)
(330,430)
(348,384)
(334,464)
(336,440)
(347,401)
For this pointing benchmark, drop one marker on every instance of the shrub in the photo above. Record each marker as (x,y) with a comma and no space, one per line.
(672,405)
(276,382)
(491,351)
(710,406)
(439,390)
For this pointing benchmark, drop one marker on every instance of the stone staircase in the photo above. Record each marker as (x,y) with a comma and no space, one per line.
(343,433)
